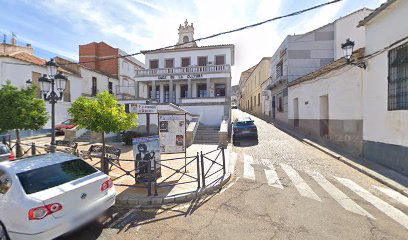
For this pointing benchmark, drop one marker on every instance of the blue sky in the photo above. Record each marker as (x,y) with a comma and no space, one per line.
(57,27)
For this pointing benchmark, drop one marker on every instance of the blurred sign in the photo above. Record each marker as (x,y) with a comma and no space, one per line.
(142,108)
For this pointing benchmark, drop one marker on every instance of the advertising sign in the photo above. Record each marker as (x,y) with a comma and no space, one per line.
(172,132)
(143,108)
(146,149)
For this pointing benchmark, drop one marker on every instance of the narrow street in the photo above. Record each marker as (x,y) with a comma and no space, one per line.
(281,189)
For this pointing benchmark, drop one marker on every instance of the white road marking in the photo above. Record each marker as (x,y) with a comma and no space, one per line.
(232,161)
(227,187)
(338,195)
(119,220)
(394,194)
(386,208)
(249,171)
(271,175)
(299,183)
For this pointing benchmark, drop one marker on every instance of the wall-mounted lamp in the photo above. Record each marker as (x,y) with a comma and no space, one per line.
(347,48)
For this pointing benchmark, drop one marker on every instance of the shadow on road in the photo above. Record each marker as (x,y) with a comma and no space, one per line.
(119,220)
(245,142)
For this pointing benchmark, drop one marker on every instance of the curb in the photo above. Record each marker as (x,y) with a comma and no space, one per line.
(179,198)
(380,178)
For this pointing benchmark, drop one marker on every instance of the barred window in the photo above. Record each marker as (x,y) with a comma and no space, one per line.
(398,78)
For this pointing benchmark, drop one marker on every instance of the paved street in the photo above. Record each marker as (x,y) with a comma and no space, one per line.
(282,189)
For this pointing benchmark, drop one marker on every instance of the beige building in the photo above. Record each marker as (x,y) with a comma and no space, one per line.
(250,86)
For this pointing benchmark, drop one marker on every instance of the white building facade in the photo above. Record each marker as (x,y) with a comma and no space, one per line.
(385,133)
(328,104)
(299,55)
(198,79)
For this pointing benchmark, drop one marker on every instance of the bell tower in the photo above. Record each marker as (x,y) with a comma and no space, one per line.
(186,35)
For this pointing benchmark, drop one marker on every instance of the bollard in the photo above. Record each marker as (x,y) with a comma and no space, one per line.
(149,179)
(223,159)
(198,171)
(202,168)
(154,175)
(33,151)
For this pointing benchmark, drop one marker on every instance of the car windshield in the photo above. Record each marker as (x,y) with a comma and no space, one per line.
(43,178)
(67,122)
(4,150)
(245,123)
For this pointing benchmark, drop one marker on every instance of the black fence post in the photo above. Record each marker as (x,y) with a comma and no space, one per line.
(33,150)
(154,175)
(198,171)
(202,168)
(149,178)
(223,159)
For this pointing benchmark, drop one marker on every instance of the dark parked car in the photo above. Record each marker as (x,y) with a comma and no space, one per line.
(244,128)
(67,124)
(6,153)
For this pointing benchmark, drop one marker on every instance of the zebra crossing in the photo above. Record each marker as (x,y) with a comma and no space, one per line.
(273,180)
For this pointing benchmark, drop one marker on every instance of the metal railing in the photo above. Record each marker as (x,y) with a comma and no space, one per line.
(183,70)
(181,171)
(213,163)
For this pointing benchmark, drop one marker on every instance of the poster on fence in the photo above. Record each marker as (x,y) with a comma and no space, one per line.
(146,149)
(172,132)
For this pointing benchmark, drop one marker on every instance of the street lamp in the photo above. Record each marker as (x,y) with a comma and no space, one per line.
(51,93)
(29,82)
(347,48)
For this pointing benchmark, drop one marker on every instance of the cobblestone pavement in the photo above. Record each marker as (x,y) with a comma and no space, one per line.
(281,189)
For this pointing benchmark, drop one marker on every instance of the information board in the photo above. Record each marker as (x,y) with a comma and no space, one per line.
(172,132)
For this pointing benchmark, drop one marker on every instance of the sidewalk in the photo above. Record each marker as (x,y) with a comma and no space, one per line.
(386,176)
(186,188)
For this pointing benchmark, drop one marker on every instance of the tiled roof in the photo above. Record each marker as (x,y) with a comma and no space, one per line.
(376,12)
(26,57)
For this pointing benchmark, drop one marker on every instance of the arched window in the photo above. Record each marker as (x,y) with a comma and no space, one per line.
(185,39)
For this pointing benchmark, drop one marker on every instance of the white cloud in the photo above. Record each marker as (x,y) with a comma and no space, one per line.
(135,25)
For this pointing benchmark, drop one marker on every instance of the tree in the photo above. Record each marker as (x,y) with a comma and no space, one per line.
(102,114)
(21,109)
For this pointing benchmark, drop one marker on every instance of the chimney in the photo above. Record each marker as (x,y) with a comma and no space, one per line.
(13,41)
(29,45)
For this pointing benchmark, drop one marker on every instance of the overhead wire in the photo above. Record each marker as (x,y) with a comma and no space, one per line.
(207,37)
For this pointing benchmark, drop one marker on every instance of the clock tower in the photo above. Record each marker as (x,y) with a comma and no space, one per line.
(186,35)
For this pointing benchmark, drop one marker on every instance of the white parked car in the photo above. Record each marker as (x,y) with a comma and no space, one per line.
(45,196)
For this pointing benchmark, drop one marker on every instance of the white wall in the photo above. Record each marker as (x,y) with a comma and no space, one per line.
(209,115)
(381,125)
(19,74)
(344,89)
(347,28)
(102,81)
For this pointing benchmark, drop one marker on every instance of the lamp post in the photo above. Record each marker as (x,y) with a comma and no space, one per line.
(347,48)
(52,88)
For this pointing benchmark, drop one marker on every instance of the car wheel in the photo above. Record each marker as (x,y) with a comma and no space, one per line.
(3,233)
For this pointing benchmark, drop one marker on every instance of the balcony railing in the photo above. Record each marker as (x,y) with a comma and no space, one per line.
(183,70)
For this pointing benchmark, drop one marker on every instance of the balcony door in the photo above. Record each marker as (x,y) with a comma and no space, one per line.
(184,91)
(220,90)
(202,90)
